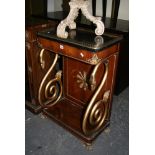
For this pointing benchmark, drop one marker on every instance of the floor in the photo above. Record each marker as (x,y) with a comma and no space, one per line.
(44,137)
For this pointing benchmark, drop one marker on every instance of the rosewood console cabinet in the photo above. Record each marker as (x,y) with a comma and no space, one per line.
(35,72)
(79,97)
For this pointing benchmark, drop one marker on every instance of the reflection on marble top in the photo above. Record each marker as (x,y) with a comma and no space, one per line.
(83,38)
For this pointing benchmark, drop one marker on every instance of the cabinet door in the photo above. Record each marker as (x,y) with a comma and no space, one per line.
(95,100)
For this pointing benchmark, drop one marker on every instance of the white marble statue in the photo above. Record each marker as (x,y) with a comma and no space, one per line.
(75,5)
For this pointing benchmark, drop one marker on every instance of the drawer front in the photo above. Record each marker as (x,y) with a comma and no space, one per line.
(76,53)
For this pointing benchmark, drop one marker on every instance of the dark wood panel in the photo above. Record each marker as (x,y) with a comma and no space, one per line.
(79,54)
(34,71)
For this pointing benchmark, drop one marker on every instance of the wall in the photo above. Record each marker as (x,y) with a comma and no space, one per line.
(56,5)
(50,5)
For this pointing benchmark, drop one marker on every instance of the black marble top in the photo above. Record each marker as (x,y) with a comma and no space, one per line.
(82,38)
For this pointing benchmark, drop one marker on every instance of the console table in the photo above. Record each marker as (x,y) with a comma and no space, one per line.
(79,97)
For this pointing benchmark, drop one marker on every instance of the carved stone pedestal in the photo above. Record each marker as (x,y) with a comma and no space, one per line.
(75,6)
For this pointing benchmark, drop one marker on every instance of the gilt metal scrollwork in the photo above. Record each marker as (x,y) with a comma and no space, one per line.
(52,91)
(92,80)
(83,81)
(94,60)
(95,116)
(42,62)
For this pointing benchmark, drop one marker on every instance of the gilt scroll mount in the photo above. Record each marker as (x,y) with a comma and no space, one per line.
(95,116)
(53,89)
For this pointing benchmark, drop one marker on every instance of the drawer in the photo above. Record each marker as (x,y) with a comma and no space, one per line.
(79,54)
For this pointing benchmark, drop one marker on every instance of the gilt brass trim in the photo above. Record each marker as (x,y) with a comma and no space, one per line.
(94,116)
(56,95)
(92,80)
(94,60)
(42,62)
(82,80)
(28,45)
(27,35)
(50,89)
(106,96)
